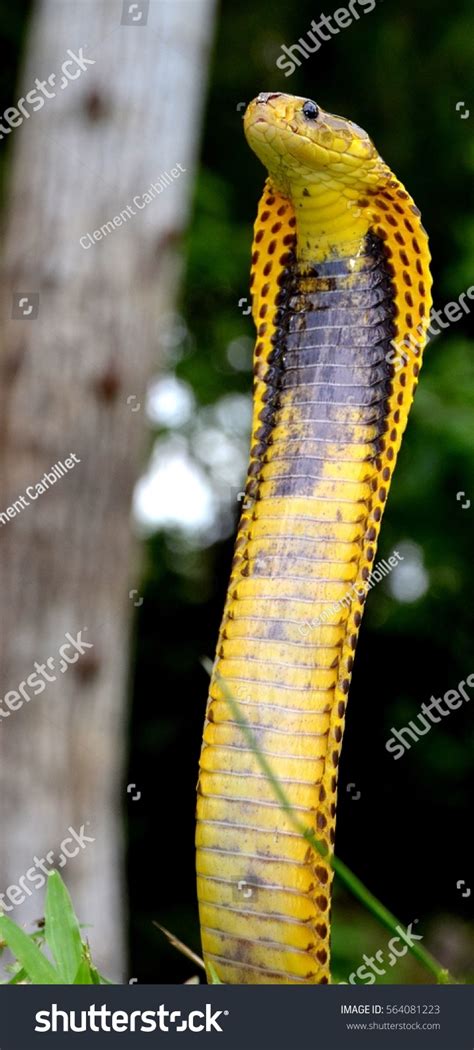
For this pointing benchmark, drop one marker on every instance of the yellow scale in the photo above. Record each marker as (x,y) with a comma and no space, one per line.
(284,653)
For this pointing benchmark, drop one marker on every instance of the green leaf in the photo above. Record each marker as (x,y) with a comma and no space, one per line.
(84,975)
(63,935)
(38,969)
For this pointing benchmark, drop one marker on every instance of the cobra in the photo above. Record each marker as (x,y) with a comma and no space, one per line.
(341,293)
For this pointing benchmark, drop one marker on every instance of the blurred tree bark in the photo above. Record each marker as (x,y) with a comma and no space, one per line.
(72,379)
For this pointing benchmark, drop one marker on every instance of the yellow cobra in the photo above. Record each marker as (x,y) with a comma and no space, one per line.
(341,302)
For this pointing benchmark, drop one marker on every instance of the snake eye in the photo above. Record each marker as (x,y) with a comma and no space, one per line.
(310,110)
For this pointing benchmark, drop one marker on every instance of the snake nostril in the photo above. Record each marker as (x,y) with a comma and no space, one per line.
(265,96)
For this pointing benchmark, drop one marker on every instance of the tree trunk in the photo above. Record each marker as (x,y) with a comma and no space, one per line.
(74,371)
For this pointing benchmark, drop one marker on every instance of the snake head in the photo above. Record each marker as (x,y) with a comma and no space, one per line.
(299,143)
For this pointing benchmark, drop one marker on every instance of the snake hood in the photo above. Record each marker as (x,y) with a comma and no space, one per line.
(312,154)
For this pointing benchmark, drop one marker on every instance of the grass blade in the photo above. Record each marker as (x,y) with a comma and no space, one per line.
(36,965)
(83,975)
(183,948)
(62,931)
(17,978)
(213,975)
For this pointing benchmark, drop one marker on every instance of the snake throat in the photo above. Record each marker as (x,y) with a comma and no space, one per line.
(330,407)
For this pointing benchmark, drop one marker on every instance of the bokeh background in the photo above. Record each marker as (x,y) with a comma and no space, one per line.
(399,72)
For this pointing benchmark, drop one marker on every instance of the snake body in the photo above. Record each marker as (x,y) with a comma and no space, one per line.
(341,302)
